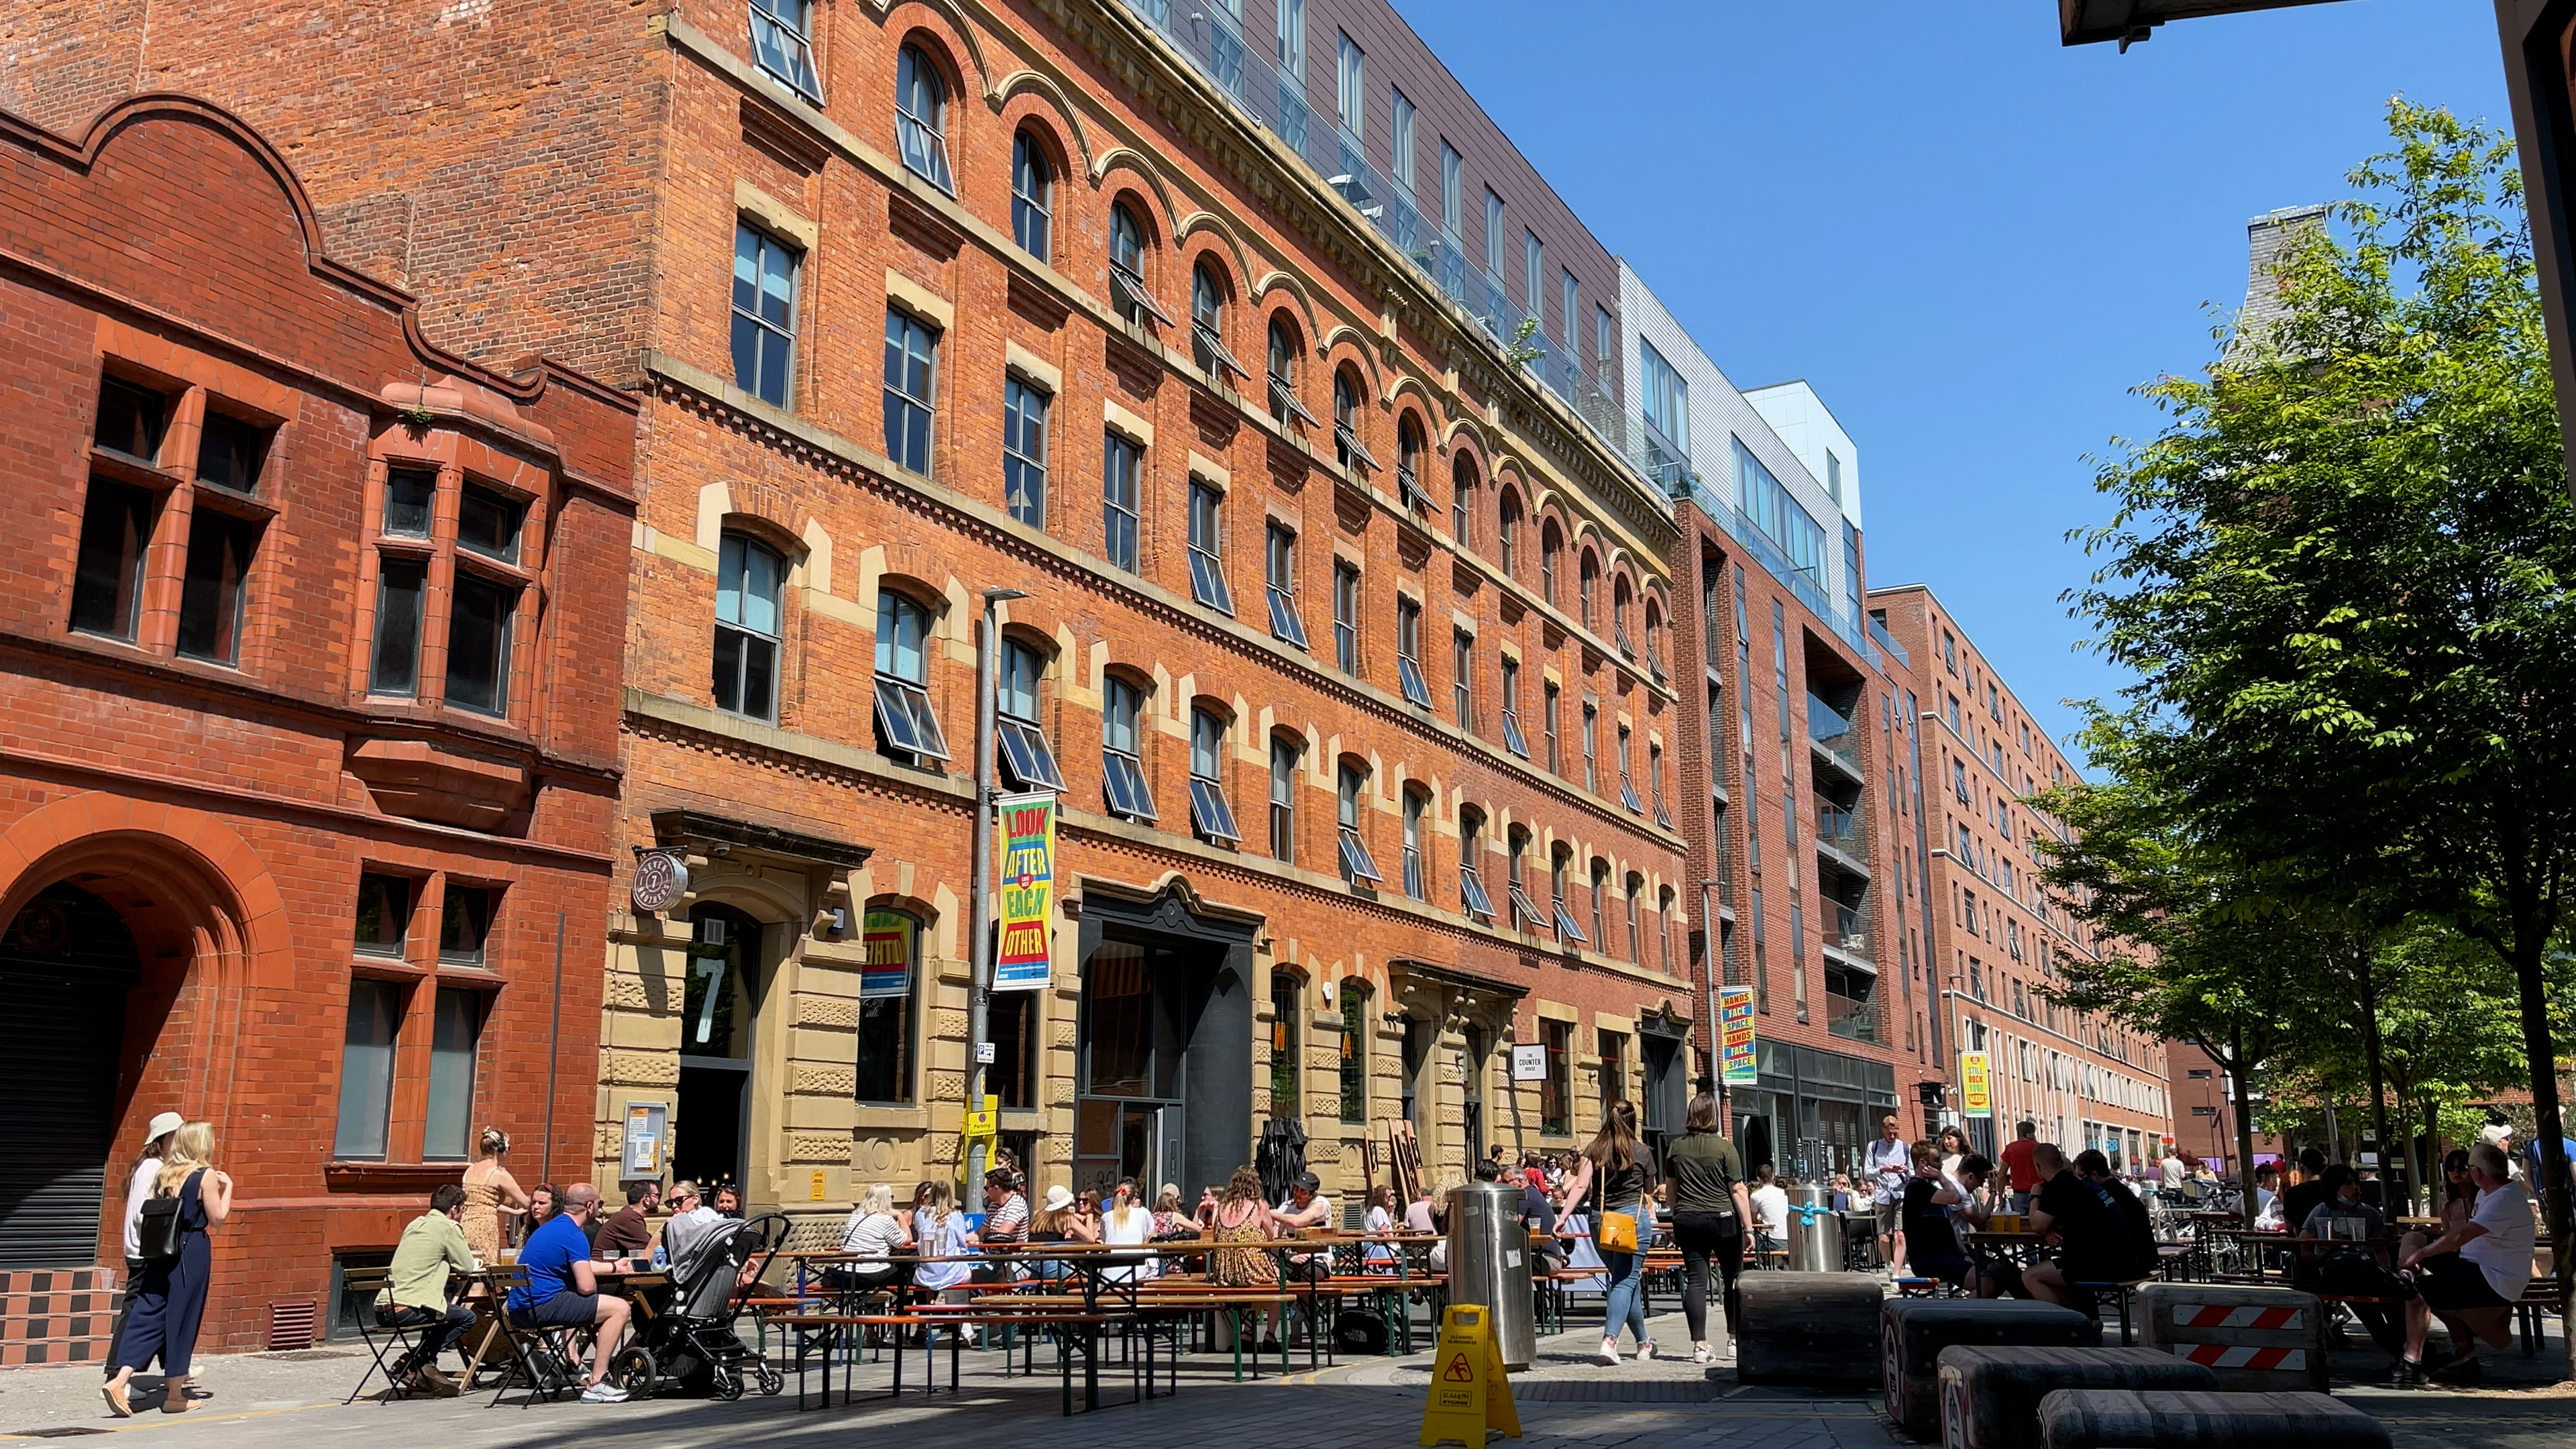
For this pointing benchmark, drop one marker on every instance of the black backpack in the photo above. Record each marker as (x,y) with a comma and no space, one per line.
(1359,1330)
(160,1230)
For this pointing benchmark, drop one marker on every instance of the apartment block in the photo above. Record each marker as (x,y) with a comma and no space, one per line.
(309,661)
(1991,939)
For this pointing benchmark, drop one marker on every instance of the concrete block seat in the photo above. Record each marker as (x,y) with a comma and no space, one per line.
(1990,1397)
(2127,1419)
(1913,1331)
(1800,1328)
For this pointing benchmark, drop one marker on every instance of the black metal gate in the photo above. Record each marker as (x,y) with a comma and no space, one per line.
(66,963)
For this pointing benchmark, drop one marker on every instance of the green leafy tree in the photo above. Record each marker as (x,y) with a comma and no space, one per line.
(2341,573)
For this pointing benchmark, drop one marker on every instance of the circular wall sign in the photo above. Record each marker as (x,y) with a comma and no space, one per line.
(660,880)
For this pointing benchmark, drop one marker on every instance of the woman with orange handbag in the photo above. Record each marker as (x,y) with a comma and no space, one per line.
(1610,1185)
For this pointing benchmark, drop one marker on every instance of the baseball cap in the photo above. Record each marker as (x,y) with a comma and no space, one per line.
(163,1124)
(1308,1182)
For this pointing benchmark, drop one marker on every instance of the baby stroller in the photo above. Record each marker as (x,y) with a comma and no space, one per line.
(691,1346)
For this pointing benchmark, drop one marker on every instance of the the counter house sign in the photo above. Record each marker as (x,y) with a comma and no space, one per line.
(661,879)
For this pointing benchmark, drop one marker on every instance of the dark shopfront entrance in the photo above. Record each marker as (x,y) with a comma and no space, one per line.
(1812,1112)
(66,964)
(1166,1045)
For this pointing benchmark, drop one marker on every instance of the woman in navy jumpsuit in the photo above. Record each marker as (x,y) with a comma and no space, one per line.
(169,1295)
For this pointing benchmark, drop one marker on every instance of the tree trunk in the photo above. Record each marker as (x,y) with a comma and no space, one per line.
(2531,952)
(2237,1076)
(2388,1158)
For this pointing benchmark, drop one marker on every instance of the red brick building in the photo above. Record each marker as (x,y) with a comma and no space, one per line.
(1991,934)
(919,303)
(308,660)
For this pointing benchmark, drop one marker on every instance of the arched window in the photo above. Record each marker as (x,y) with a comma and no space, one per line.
(747,627)
(1122,767)
(1283,373)
(1587,583)
(1356,862)
(886,1045)
(1655,637)
(1285,752)
(1600,901)
(907,729)
(1286,1032)
(1636,929)
(1559,862)
(1619,598)
(1507,532)
(1210,815)
(1664,926)
(1551,542)
(1471,856)
(1127,290)
(1525,912)
(1417,803)
(1019,739)
(1032,197)
(1408,466)
(1207,325)
(1355,1052)
(1348,450)
(921,118)
(1462,501)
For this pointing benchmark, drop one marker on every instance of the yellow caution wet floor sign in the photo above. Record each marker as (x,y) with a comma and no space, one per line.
(1470,1394)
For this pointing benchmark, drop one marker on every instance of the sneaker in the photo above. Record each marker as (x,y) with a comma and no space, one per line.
(1645,1351)
(1703,1354)
(2404,1375)
(1610,1352)
(603,1392)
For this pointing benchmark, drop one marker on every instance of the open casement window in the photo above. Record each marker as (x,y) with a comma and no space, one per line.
(1507,533)
(1024,451)
(1207,326)
(1210,815)
(1283,376)
(906,726)
(1024,755)
(1346,616)
(1526,915)
(1513,738)
(1408,654)
(1567,930)
(1409,492)
(1551,543)
(1462,502)
(1462,678)
(1207,549)
(1655,785)
(1357,865)
(1127,270)
(782,43)
(1416,867)
(1627,784)
(1600,899)
(921,118)
(1471,881)
(1587,584)
(1619,598)
(1280,564)
(1122,769)
(1348,450)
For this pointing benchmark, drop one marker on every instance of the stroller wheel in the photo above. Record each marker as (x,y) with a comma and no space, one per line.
(771,1380)
(632,1370)
(725,1384)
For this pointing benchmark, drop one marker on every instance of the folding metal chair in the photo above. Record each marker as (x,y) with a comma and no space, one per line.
(536,1358)
(384,1340)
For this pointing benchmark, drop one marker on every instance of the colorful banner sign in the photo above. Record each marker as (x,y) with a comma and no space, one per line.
(1735,1036)
(1976,1086)
(1027,889)
(888,938)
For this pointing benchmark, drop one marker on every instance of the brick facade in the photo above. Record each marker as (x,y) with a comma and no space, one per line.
(1993,935)
(199,763)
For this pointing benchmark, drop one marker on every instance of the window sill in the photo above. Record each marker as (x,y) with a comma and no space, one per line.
(386,1177)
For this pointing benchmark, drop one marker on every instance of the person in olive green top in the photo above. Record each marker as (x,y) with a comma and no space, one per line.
(1711,1217)
(416,1297)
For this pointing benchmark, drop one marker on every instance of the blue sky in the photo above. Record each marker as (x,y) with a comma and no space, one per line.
(1971,240)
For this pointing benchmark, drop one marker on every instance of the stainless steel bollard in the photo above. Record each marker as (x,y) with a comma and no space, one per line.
(1490,1265)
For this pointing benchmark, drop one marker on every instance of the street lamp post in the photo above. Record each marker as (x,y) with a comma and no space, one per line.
(1711,964)
(988,664)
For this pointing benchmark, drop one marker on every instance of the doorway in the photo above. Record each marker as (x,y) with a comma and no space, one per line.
(719,1005)
(1163,1040)
(66,962)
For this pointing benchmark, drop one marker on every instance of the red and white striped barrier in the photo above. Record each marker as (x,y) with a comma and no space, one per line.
(2225,1356)
(2255,1339)
(2234,1315)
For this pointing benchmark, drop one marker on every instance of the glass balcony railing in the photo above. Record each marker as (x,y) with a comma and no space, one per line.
(1855,1020)
(1214,43)
(1802,582)
(1846,928)
(1830,728)
(1840,828)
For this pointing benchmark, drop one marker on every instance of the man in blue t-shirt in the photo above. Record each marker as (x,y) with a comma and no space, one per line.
(563,1292)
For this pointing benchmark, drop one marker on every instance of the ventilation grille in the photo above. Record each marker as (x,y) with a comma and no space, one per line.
(290,1323)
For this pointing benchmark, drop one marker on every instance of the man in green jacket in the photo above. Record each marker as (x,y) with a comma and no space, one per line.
(431,1249)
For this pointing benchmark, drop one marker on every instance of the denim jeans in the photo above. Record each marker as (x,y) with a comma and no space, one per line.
(1627,1299)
